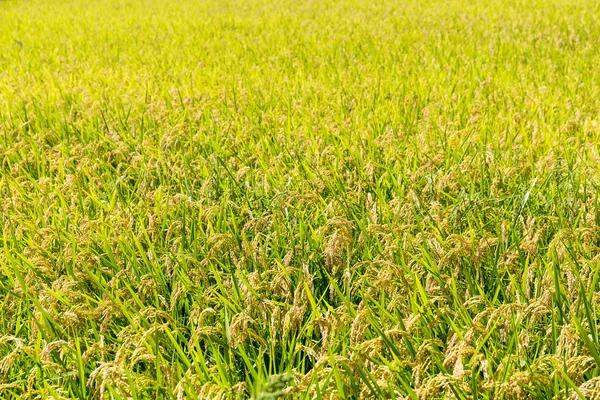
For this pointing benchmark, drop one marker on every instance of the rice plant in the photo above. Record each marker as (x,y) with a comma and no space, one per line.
(334,199)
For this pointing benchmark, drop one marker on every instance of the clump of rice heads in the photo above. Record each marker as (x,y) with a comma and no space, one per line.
(299,199)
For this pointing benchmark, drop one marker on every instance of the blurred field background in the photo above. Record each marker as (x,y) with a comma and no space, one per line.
(299,199)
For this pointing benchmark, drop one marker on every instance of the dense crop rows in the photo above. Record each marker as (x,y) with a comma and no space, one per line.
(321,199)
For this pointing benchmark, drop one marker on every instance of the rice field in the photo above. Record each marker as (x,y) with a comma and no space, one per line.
(299,199)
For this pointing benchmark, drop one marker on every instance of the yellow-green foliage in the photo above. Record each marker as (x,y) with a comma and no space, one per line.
(312,198)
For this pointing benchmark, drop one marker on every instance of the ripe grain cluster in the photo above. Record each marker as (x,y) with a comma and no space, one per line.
(318,199)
